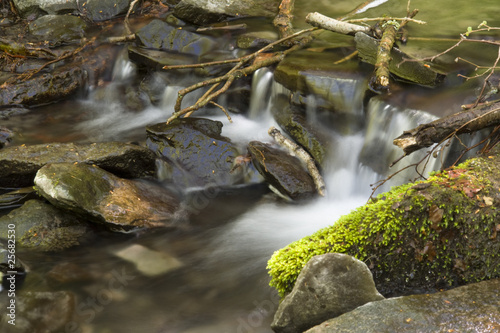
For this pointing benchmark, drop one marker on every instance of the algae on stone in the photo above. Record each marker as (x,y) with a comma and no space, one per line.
(433,234)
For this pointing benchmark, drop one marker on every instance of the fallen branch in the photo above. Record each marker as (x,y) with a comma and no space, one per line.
(235,73)
(283,21)
(439,130)
(328,23)
(303,156)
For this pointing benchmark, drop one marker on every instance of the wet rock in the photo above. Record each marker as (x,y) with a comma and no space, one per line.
(282,171)
(58,28)
(48,87)
(328,286)
(101,10)
(203,12)
(42,227)
(160,35)
(5,136)
(27,7)
(42,312)
(335,87)
(471,308)
(156,59)
(94,10)
(256,39)
(20,164)
(292,120)
(409,70)
(147,261)
(197,153)
(120,204)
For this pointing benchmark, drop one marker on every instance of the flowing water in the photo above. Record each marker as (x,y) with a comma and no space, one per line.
(219,282)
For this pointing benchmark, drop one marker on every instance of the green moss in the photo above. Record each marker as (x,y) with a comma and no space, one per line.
(413,236)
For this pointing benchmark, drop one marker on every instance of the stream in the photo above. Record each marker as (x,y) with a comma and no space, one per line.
(218,280)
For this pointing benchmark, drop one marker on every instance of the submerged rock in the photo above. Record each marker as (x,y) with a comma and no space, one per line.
(161,35)
(40,312)
(197,153)
(328,286)
(120,204)
(147,261)
(472,308)
(204,12)
(42,227)
(20,164)
(284,172)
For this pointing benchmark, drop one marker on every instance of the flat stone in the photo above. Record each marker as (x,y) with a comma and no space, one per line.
(147,261)
(20,163)
(471,308)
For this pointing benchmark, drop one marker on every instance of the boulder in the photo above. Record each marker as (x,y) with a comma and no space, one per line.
(196,152)
(20,164)
(281,170)
(328,286)
(58,28)
(42,227)
(471,308)
(101,10)
(161,35)
(27,7)
(203,12)
(120,204)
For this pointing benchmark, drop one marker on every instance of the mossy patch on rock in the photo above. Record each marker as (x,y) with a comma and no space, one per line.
(438,233)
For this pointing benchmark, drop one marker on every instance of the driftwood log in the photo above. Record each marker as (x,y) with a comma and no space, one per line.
(441,129)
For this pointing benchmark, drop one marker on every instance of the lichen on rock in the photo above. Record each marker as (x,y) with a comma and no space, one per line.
(438,233)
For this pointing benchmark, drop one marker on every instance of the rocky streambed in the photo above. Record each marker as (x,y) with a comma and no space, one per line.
(168,227)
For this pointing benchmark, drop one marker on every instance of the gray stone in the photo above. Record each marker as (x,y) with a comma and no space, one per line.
(101,10)
(120,204)
(26,7)
(471,308)
(160,35)
(58,28)
(20,164)
(281,170)
(328,286)
(204,12)
(42,227)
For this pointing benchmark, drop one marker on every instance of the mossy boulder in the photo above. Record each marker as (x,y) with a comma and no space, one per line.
(42,227)
(438,233)
(59,28)
(121,205)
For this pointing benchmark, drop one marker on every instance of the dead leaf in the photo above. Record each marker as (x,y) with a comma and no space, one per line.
(435,216)
(488,201)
